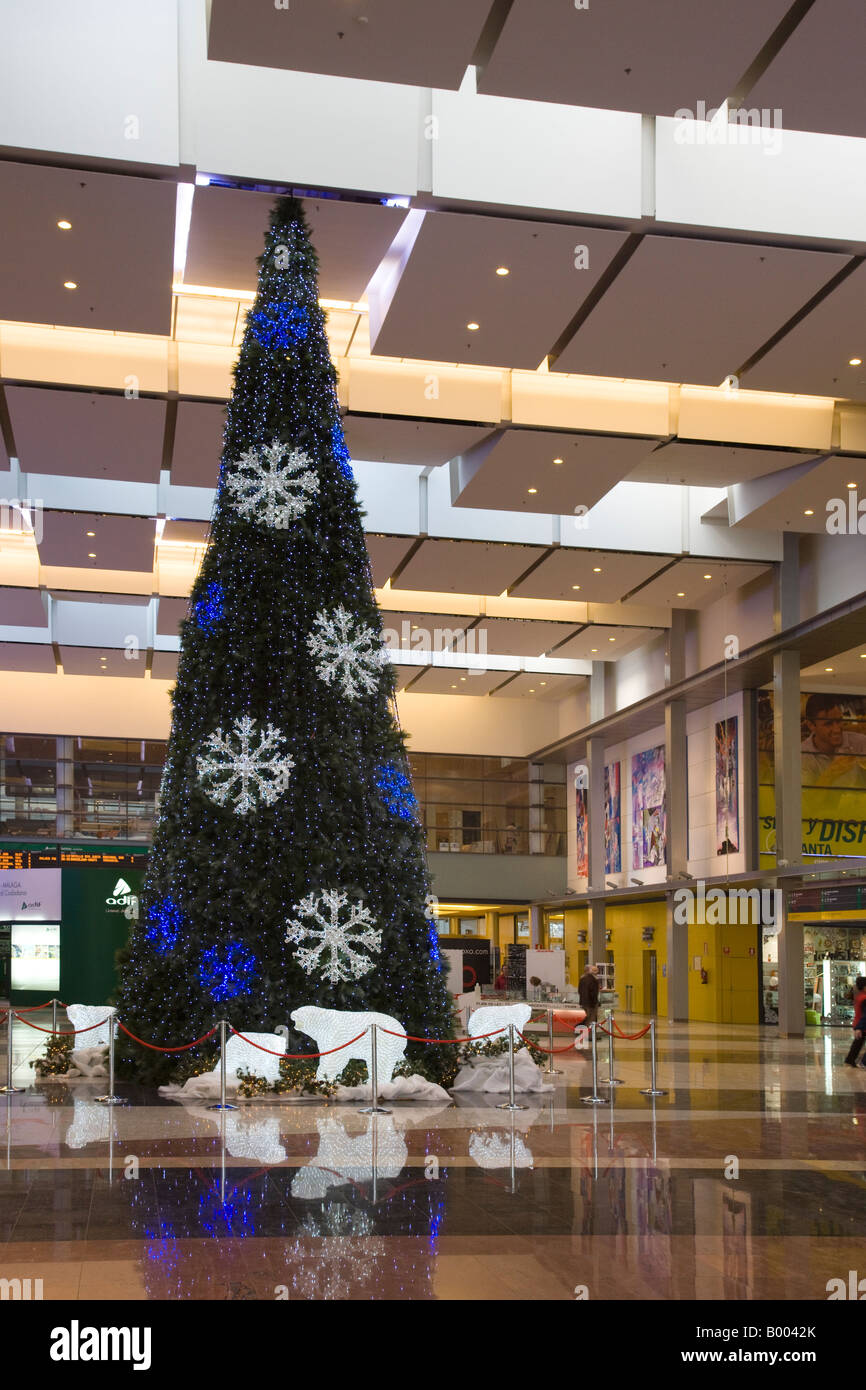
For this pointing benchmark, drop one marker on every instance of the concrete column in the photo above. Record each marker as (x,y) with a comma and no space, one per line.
(65,790)
(535,925)
(792,1001)
(786,597)
(676,779)
(675,652)
(536,808)
(598,692)
(787,758)
(595,937)
(677,965)
(749,841)
(595,810)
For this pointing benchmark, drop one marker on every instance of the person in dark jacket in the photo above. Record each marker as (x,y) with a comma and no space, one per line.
(587,993)
(859,1022)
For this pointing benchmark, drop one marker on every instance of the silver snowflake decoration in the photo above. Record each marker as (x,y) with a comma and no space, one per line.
(273,484)
(334,953)
(242,767)
(347,651)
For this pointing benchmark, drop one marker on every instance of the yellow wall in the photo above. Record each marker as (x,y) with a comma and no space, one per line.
(731,992)
(625,922)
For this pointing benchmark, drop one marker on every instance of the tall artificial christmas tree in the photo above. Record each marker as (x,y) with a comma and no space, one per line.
(288,859)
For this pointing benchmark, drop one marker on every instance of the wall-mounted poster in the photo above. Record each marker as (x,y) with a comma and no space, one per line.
(649,822)
(727,777)
(612,820)
(582,824)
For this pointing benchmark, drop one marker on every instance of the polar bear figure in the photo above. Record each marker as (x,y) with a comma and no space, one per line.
(330,1028)
(490,1017)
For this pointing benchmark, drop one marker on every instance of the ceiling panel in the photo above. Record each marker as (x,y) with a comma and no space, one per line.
(198,443)
(848,670)
(450,280)
(406,41)
(117,543)
(467,567)
(82,596)
(429,632)
(813,491)
(79,434)
(170,615)
(686,584)
(816,79)
(22,608)
(588,576)
(711,465)
(385,554)
(88,661)
(520,636)
(119,250)
(603,642)
(27,656)
(228,226)
(531,685)
(515,461)
(164,666)
(813,358)
(625,55)
(424,442)
(440,680)
(693,311)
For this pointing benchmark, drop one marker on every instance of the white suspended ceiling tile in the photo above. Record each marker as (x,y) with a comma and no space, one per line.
(435,390)
(393,440)
(738,416)
(560,401)
(627,56)
(22,608)
(711,465)
(686,584)
(404,41)
(467,567)
(605,642)
(118,251)
(385,554)
(164,667)
(450,280)
(198,441)
(118,542)
(686,310)
(588,576)
(442,681)
(227,232)
(814,356)
(521,636)
(499,472)
(782,501)
(111,361)
(27,656)
(84,624)
(816,79)
(101,661)
(86,435)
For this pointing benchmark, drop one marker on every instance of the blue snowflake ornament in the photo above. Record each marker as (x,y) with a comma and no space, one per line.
(228,972)
(395,789)
(280,325)
(209,610)
(341,451)
(164,922)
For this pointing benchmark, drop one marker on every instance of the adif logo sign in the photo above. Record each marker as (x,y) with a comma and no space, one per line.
(122,898)
(736,906)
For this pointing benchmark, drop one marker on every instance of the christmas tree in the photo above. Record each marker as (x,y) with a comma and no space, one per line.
(288,860)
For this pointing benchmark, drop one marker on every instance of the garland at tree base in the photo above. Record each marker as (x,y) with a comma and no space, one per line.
(57,1058)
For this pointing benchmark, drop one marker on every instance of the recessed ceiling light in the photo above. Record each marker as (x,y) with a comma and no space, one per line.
(855,361)
(532,690)
(863,656)
(828,668)
(472,326)
(91,555)
(596,569)
(70,285)
(463,678)
(593,649)
(808,512)
(611,639)
(557,460)
(850,484)
(681,594)
(542,682)
(454,687)
(91,533)
(64,225)
(502,270)
(532,489)
(575,586)
(708,576)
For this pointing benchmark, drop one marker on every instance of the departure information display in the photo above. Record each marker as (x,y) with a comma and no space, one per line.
(54,856)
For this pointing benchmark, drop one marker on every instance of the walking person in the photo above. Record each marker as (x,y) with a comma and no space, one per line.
(587,993)
(859,1021)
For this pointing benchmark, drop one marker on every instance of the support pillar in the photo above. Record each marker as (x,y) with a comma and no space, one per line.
(535,926)
(789,835)
(676,782)
(677,964)
(596,935)
(792,1002)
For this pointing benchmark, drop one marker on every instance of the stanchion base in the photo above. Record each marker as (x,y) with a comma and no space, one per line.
(656,1092)
(554,1071)
(612,1081)
(110,1100)
(374,1110)
(593,1100)
(222,1107)
(506,1105)
(11,1090)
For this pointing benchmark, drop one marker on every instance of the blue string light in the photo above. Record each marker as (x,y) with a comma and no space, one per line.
(280,325)
(165,920)
(396,791)
(209,610)
(341,451)
(226,974)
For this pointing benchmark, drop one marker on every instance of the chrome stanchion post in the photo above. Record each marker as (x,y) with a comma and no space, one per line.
(54,1017)
(595,1098)
(111,1098)
(551,1069)
(222,1103)
(9,1089)
(653,1089)
(511,1103)
(611,1079)
(513,1178)
(374,1108)
(374,1155)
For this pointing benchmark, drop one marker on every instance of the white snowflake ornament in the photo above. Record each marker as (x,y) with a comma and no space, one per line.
(242,768)
(272,484)
(334,953)
(347,651)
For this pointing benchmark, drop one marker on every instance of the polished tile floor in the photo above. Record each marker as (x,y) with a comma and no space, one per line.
(746,1181)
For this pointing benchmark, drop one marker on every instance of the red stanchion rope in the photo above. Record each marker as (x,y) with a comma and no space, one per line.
(294,1056)
(631,1036)
(64,1033)
(184,1047)
(548,1051)
(408,1037)
(34,1008)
